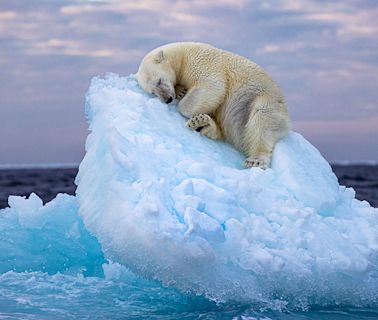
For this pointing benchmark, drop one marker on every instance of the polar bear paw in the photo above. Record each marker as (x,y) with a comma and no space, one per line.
(259,162)
(198,121)
(180,92)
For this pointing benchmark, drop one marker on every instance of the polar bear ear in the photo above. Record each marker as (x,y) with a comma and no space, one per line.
(159,57)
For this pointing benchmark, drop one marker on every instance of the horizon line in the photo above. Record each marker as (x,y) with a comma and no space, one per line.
(68,165)
(53,165)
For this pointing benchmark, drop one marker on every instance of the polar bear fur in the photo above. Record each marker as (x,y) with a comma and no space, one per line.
(224,96)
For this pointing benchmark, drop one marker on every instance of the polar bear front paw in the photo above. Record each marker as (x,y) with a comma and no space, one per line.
(180,92)
(259,162)
(198,121)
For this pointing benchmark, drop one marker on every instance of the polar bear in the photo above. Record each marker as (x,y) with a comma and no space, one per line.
(224,96)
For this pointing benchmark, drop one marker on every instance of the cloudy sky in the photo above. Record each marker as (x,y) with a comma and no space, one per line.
(324,55)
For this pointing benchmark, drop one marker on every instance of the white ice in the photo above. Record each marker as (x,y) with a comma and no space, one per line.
(175,206)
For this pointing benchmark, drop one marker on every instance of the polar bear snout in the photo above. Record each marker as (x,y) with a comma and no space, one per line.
(165,97)
(165,92)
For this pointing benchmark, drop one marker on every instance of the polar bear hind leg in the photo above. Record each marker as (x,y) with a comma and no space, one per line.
(266,125)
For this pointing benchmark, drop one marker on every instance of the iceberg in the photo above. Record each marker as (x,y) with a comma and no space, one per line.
(174,206)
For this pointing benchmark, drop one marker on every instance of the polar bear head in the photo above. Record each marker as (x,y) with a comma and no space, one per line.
(156,76)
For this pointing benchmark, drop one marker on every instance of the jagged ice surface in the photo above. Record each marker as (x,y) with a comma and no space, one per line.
(175,206)
(49,238)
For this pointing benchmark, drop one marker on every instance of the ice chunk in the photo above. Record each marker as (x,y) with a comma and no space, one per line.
(49,238)
(175,206)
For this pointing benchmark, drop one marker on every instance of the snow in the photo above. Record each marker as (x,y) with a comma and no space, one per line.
(174,206)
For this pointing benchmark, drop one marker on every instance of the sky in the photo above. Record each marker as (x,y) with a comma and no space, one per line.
(323,54)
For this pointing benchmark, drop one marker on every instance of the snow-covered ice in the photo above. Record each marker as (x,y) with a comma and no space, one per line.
(174,206)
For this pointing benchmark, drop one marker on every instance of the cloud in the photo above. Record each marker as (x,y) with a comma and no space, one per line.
(284,47)
(350,18)
(66,47)
(7,15)
(323,54)
(168,7)
(325,129)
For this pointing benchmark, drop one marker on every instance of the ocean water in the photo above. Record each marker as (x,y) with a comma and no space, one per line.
(48,182)
(71,279)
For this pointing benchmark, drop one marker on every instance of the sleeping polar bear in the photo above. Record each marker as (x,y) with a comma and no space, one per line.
(224,96)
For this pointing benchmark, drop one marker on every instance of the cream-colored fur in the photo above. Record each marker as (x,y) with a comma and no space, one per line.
(224,96)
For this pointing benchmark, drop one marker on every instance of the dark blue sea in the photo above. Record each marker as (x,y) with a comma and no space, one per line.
(46,276)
